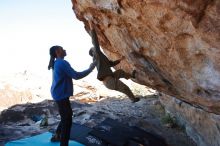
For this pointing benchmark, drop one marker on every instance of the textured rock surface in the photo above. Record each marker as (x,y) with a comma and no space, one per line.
(173,44)
(203,127)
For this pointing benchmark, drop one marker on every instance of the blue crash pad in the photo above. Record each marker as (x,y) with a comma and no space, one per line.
(39,140)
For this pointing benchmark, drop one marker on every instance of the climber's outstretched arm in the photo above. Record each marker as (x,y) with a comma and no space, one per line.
(94,37)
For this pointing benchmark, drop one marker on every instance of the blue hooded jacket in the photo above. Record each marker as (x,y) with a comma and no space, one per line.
(62,84)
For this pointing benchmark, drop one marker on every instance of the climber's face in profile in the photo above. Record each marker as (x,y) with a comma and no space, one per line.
(60,53)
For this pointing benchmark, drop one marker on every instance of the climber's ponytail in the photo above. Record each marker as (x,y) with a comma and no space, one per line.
(52,56)
(51,63)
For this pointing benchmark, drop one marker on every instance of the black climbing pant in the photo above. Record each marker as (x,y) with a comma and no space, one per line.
(65,124)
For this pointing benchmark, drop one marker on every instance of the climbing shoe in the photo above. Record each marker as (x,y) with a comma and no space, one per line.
(55,138)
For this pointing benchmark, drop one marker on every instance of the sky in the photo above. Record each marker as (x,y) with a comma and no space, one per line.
(28,28)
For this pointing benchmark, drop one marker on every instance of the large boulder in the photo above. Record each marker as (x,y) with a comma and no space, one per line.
(173,45)
(203,127)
